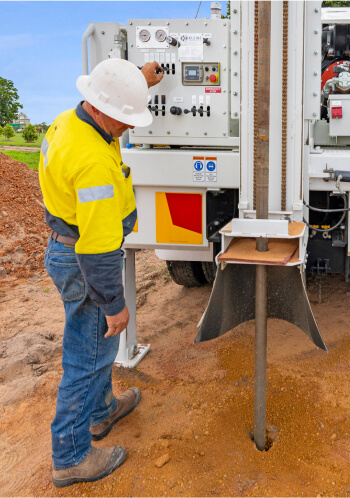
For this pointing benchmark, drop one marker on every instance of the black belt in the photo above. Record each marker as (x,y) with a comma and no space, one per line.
(68,241)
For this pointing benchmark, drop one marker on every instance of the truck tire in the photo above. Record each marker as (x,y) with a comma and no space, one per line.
(187,273)
(209,271)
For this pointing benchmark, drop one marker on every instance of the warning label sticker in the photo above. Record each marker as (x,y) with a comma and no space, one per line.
(204,169)
(210,169)
(212,89)
(198,169)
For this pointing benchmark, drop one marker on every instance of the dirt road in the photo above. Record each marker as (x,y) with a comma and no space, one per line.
(197,408)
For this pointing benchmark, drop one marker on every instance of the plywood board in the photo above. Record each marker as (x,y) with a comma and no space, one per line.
(244,250)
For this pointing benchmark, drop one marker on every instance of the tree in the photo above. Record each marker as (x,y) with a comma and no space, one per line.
(29,133)
(9,132)
(335,4)
(9,104)
(1,130)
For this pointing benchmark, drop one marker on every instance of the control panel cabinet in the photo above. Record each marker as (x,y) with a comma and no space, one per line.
(191,105)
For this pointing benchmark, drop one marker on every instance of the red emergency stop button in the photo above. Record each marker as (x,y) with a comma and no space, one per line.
(213,78)
(337,112)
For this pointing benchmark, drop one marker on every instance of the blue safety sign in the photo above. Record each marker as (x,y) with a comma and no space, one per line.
(198,165)
(211,166)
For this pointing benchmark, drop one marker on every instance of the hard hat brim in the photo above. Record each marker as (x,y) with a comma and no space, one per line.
(142,119)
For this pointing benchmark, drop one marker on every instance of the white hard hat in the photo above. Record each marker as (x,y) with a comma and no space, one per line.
(117,88)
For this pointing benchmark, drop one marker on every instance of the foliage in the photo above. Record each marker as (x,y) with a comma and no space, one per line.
(19,141)
(227,16)
(9,132)
(335,4)
(31,159)
(9,104)
(30,134)
(1,130)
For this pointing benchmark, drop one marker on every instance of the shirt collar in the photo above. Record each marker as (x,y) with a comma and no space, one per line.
(84,116)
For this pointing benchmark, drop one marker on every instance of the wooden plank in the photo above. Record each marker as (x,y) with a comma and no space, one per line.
(244,250)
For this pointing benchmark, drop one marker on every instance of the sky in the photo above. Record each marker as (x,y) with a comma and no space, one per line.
(40,44)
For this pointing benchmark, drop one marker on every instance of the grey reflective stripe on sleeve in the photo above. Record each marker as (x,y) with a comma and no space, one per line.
(44,149)
(95,193)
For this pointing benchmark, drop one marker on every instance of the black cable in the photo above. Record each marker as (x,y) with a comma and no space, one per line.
(320,210)
(344,210)
(200,3)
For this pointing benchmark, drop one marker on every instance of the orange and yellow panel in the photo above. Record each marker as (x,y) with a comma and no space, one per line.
(179,218)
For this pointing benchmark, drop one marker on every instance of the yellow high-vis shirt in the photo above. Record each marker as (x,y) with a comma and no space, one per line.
(85,183)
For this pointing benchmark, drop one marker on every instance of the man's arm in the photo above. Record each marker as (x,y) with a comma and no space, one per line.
(149,72)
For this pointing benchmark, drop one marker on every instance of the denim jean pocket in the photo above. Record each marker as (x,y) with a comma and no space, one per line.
(66,275)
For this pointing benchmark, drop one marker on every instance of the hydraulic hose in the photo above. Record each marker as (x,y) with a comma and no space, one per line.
(343,210)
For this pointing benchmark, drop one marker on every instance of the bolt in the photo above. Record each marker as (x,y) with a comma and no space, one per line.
(235,73)
(224,46)
(168,23)
(224,134)
(131,44)
(235,11)
(315,73)
(235,52)
(224,91)
(149,23)
(236,114)
(235,94)
(102,32)
(315,94)
(316,31)
(315,52)
(314,114)
(205,133)
(205,24)
(186,23)
(186,133)
(316,11)
(235,31)
(224,24)
(224,112)
(150,132)
(168,132)
(130,23)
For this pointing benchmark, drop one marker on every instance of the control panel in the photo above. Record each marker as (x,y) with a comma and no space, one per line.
(191,105)
(201,74)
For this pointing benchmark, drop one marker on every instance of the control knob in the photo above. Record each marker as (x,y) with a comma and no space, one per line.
(175,110)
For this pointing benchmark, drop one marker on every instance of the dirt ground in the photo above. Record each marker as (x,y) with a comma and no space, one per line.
(196,414)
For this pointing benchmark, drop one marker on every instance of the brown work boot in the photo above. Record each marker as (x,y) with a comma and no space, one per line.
(99,463)
(126,403)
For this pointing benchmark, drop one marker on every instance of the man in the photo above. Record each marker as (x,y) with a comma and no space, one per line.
(90,207)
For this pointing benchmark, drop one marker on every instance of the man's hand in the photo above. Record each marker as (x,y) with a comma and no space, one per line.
(149,72)
(117,323)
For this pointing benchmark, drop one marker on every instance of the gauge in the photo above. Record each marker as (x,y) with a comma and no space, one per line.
(144,35)
(160,35)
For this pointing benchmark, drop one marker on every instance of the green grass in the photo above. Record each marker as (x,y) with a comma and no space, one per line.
(19,141)
(31,159)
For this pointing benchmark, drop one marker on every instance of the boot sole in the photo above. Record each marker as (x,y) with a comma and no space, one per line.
(62,483)
(98,437)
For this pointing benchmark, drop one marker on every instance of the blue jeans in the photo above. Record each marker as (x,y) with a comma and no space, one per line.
(85,395)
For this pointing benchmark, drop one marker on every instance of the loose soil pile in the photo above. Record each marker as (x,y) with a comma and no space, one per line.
(23,233)
(191,433)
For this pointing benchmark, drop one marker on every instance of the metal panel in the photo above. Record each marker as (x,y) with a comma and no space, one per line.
(235,59)
(145,237)
(340,126)
(167,167)
(185,128)
(312,55)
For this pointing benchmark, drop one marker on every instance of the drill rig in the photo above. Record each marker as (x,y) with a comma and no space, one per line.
(245,170)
